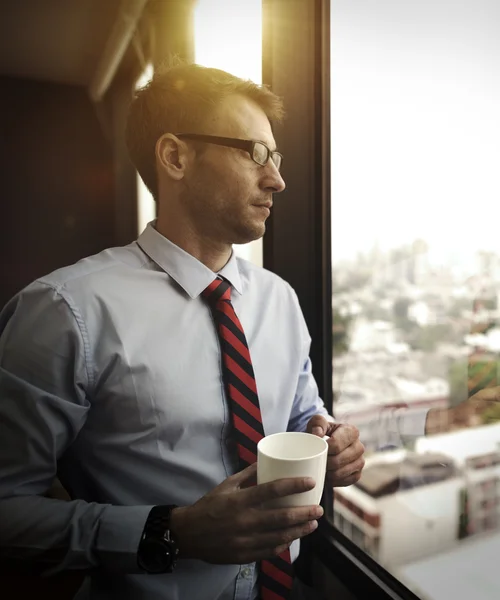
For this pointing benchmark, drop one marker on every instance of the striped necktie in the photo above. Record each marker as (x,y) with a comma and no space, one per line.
(275,577)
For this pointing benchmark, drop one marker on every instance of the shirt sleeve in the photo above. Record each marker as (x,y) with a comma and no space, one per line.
(46,381)
(307,401)
(394,427)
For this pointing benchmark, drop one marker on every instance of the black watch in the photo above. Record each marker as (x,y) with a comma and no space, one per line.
(157,552)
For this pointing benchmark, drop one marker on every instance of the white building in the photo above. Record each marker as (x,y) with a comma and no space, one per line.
(476,453)
(463,445)
(421,313)
(367,335)
(397,525)
(410,505)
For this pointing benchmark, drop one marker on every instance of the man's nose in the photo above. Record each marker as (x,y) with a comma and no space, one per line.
(274,181)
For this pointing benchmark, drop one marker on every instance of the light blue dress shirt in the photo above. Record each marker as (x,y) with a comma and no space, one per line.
(110,376)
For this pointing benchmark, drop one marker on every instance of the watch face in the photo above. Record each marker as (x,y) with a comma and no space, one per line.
(155,556)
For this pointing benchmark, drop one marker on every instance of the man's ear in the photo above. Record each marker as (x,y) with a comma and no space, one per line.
(172,155)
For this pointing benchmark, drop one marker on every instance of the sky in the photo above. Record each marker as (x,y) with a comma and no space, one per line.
(415,97)
(228,36)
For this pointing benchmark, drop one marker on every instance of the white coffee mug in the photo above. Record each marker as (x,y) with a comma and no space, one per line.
(293,454)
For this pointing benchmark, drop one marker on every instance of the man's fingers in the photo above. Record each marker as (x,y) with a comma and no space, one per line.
(242,479)
(276,489)
(334,481)
(347,470)
(487,395)
(341,438)
(281,518)
(349,455)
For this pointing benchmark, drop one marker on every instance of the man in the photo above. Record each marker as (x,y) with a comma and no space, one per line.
(128,374)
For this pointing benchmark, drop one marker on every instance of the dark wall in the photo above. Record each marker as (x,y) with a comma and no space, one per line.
(57,186)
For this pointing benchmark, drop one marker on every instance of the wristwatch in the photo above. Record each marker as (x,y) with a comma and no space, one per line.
(158,550)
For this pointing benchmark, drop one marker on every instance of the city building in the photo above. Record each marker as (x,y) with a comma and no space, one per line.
(405,506)
(409,505)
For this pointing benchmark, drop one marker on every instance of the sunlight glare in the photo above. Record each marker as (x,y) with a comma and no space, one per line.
(146,206)
(228,36)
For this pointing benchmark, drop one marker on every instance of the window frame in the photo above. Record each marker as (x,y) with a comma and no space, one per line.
(302,213)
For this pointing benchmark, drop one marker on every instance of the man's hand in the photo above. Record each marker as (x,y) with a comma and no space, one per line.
(230,525)
(345,451)
(476,406)
(484,399)
(440,419)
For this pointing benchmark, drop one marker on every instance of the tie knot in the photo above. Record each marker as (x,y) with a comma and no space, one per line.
(218,290)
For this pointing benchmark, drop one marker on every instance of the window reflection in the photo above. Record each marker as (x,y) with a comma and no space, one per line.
(416,284)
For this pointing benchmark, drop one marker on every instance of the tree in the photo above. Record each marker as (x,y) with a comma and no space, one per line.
(459,306)
(467,377)
(340,331)
(458,380)
(429,337)
(401,319)
(491,415)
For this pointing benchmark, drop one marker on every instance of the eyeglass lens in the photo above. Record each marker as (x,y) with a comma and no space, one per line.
(261,154)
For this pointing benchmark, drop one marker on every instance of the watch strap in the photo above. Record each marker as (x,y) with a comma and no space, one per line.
(158,521)
(158,545)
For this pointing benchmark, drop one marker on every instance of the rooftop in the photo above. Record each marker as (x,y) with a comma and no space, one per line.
(461,445)
(383,478)
(470,570)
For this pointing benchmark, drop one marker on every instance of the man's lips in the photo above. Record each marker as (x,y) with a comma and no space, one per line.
(264,209)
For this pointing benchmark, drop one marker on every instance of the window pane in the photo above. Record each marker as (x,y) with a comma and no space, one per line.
(416,284)
(146,206)
(228,36)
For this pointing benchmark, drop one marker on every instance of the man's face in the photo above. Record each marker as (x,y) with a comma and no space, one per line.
(227,195)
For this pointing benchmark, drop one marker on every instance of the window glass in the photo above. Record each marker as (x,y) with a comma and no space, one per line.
(228,36)
(416,284)
(146,206)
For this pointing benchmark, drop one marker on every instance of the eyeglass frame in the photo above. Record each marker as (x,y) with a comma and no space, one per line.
(247,145)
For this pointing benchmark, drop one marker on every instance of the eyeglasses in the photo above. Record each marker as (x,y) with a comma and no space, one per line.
(259,152)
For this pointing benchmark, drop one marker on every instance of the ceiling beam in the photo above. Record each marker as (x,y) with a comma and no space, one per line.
(125,26)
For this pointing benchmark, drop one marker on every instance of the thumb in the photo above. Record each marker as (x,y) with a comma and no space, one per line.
(318,425)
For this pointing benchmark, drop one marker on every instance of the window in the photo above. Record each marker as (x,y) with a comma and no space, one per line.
(146,206)
(232,41)
(415,130)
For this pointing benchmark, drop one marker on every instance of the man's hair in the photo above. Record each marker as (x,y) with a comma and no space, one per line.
(180,99)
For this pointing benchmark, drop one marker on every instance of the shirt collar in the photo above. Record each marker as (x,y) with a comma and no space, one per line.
(192,275)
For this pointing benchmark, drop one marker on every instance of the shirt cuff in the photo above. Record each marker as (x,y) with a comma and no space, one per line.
(411,423)
(120,532)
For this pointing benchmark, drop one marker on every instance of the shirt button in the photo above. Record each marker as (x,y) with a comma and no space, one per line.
(246,572)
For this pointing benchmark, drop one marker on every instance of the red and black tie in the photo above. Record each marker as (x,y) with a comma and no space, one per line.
(275,578)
